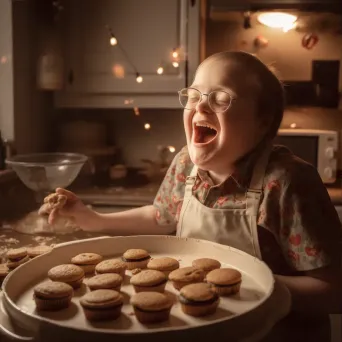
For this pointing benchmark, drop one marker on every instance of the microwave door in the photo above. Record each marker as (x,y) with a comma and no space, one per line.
(305,147)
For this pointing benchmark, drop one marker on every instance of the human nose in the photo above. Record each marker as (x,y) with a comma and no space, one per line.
(203,104)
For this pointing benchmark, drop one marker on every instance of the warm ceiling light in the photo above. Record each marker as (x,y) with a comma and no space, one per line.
(280,20)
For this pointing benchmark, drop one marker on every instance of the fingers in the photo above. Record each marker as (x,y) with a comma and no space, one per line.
(53,216)
(70,195)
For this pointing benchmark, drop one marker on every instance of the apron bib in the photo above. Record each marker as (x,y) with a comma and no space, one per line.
(234,227)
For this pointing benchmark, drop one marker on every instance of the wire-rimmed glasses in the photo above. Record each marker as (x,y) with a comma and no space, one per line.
(219,100)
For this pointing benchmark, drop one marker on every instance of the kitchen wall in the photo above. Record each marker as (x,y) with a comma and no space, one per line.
(284,50)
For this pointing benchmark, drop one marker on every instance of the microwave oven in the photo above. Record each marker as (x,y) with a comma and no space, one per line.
(317,147)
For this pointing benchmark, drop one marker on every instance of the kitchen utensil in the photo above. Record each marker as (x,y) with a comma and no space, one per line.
(245,317)
(44,172)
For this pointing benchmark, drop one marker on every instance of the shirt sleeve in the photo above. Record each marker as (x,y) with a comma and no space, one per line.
(169,199)
(298,210)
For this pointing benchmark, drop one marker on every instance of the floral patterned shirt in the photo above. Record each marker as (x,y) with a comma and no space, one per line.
(298,227)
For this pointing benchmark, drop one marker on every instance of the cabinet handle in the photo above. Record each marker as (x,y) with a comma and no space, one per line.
(71,77)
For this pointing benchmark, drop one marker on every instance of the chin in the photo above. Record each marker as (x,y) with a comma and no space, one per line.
(202,159)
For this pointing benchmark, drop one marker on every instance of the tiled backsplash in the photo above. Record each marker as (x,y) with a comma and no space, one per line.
(126,130)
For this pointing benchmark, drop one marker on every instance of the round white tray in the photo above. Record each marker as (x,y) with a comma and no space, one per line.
(245,317)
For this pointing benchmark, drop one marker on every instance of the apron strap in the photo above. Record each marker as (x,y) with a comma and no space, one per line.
(189,184)
(253,196)
(257,181)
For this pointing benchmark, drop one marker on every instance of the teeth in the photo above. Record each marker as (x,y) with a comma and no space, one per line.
(204,125)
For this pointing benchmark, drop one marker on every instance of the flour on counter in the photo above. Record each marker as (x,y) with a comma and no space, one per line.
(33,224)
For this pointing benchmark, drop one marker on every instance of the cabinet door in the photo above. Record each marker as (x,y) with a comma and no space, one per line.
(147,30)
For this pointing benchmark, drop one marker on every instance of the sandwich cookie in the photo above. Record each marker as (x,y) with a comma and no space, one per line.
(149,280)
(186,276)
(165,265)
(33,252)
(102,305)
(111,266)
(110,281)
(151,307)
(68,273)
(52,296)
(224,281)
(198,300)
(17,257)
(136,258)
(87,261)
(206,264)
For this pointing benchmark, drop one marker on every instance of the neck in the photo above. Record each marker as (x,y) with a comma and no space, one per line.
(219,177)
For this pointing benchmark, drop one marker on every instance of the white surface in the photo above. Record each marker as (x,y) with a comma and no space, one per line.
(6,72)
(257,287)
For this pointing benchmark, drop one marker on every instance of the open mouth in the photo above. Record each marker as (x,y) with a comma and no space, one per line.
(204,133)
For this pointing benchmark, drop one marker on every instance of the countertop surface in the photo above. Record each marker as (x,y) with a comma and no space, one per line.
(335,195)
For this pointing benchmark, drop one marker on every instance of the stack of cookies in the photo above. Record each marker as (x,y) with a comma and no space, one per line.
(200,285)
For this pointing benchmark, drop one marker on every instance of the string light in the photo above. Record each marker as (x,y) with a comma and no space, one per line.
(136,111)
(147,126)
(171,149)
(139,78)
(113,41)
(175,64)
(174,53)
(160,70)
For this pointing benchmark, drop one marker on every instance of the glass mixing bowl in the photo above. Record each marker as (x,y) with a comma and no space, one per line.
(44,172)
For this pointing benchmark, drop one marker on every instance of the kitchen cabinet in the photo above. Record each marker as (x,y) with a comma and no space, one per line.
(23,107)
(100,75)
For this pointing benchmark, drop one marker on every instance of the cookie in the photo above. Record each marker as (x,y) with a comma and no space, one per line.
(206,264)
(165,265)
(198,300)
(151,307)
(87,261)
(136,258)
(67,273)
(111,266)
(102,305)
(224,281)
(111,281)
(33,252)
(4,271)
(185,276)
(17,257)
(55,201)
(52,296)
(149,280)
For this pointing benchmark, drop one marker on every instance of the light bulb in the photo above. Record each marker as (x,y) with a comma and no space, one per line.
(175,53)
(171,149)
(175,64)
(136,111)
(139,79)
(293,125)
(160,70)
(113,41)
(147,126)
(284,21)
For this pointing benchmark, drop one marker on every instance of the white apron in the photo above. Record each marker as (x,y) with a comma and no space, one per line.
(238,228)
(234,227)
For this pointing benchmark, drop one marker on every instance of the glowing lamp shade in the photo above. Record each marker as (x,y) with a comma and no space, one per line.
(284,21)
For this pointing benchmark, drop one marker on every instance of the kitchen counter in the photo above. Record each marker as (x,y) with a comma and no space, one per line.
(335,194)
